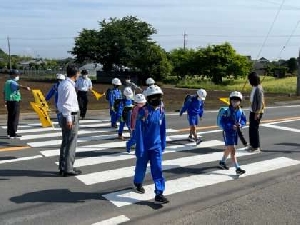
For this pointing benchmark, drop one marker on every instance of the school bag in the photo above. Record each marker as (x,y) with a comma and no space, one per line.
(223,111)
(188,97)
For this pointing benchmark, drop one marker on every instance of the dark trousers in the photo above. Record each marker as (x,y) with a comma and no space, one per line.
(241,136)
(13,115)
(68,144)
(254,130)
(82,102)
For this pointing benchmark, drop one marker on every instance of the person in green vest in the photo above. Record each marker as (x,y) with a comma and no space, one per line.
(12,98)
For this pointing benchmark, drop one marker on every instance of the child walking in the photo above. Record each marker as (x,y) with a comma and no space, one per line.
(139,101)
(232,119)
(150,131)
(126,111)
(194,105)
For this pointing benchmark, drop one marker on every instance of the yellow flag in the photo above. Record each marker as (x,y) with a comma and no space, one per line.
(226,100)
(43,114)
(97,95)
(39,99)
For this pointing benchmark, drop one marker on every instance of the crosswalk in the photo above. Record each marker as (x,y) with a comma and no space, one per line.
(105,159)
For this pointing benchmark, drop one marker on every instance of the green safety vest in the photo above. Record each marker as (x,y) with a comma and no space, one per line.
(9,94)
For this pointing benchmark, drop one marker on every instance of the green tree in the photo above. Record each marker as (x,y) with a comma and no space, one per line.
(183,61)
(118,42)
(292,65)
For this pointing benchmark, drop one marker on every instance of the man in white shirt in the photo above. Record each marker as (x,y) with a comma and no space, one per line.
(83,85)
(67,105)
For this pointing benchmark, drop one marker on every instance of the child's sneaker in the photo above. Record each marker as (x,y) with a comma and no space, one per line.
(139,188)
(190,138)
(223,166)
(121,137)
(160,199)
(128,147)
(198,141)
(239,171)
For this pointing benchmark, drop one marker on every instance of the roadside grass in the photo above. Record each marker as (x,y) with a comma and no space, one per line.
(270,84)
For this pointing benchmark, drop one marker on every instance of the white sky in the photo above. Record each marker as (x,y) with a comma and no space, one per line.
(47,28)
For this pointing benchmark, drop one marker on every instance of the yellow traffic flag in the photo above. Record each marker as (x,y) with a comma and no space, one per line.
(226,100)
(98,95)
(39,99)
(43,114)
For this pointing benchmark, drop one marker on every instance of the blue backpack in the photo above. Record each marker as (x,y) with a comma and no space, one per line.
(222,112)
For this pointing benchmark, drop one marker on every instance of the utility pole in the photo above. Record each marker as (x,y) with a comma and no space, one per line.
(298,76)
(184,40)
(9,53)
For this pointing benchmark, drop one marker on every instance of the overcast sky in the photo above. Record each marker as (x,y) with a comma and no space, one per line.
(47,27)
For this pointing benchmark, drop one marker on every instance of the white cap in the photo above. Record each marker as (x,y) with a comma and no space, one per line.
(116,81)
(140,98)
(128,92)
(202,94)
(236,94)
(154,90)
(150,81)
(60,76)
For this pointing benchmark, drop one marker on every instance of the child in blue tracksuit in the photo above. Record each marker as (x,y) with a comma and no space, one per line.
(232,119)
(150,131)
(194,106)
(127,104)
(115,102)
(53,91)
(139,101)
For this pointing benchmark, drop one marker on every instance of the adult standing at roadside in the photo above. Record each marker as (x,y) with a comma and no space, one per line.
(83,85)
(256,110)
(67,105)
(12,99)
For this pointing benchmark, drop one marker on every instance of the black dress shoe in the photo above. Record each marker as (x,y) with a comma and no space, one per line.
(72,173)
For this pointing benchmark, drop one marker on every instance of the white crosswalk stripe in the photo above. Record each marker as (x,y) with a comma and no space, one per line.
(127,197)
(102,158)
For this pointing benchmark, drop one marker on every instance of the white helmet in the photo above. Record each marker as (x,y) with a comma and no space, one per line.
(116,81)
(236,94)
(128,92)
(60,76)
(140,98)
(202,94)
(154,90)
(150,81)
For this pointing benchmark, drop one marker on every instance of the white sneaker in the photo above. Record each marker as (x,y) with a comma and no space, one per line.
(191,139)
(255,150)
(248,148)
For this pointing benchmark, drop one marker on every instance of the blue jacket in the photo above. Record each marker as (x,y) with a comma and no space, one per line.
(231,118)
(115,96)
(53,91)
(193,106)
(150,130)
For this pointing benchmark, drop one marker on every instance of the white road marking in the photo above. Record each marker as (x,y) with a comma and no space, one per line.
(20,159)
(281,128)
(113,221)
(128,197)
(110,175)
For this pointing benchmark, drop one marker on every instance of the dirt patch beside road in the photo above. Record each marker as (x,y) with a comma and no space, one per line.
(173,97)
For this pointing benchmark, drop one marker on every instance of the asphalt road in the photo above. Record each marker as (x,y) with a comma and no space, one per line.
(32,192)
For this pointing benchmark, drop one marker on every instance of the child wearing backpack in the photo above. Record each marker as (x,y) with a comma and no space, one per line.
(231,119)
(139,101)
(150,131)
(126,111)
(194,105)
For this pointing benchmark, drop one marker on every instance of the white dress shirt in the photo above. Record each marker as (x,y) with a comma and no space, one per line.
(83,84)
(67,99)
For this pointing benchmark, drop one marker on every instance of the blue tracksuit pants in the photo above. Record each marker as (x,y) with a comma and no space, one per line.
(155,158)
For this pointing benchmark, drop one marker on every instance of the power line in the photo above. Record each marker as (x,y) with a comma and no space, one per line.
(271,28)
(288,40)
